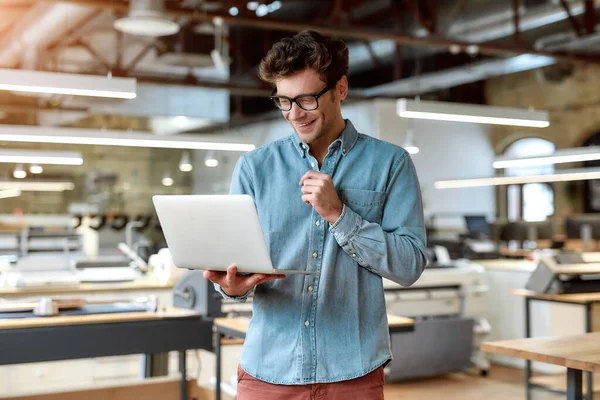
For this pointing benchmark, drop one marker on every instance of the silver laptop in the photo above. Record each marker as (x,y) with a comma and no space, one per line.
(211,232)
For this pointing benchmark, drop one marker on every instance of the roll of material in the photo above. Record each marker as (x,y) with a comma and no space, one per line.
(164,269)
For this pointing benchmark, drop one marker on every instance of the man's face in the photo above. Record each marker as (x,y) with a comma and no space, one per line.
(311,125)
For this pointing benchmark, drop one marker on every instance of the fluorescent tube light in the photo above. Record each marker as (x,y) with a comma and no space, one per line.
(559,156)
(36,134)
(443,111)
(5,194)
(70,84)
(40,157)
(579,174)
(37,186)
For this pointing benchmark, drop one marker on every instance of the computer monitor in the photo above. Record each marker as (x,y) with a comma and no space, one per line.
(477,225)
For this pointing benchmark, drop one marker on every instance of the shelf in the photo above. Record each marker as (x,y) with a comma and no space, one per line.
(559,382)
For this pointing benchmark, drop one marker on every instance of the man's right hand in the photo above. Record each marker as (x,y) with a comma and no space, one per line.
(238,285)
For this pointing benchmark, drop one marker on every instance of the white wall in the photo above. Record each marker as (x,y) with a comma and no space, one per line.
(448,150)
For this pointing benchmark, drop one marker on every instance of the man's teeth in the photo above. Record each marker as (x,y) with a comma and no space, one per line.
(306,124)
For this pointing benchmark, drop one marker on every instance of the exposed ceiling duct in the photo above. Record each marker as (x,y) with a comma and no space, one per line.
(492,22)
(43,25)
(486,69)
(146,18)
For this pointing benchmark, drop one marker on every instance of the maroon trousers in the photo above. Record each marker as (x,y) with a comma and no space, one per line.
(368,387)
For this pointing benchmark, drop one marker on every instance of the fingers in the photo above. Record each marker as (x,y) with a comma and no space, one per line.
(310,174)
(314,182)
(308,198)
(311,189)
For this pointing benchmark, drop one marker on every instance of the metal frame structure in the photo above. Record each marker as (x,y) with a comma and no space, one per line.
(574,377)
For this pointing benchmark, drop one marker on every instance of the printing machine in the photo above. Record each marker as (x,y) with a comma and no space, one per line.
(565,273)
(448,303)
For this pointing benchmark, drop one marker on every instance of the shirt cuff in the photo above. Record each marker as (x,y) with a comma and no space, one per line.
(239,299)
(346,226)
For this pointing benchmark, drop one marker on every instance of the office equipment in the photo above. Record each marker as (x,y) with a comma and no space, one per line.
(564,273)
(447,305)
(478,226)
(211,232)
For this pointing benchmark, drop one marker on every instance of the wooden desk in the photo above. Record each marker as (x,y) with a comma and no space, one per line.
(587,300)
(577,353)
(84,288)
(72,337)
(237,328)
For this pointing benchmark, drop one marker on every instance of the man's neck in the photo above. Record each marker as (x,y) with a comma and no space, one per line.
(319,150)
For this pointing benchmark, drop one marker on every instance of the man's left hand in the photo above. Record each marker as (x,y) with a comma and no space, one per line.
(319,192)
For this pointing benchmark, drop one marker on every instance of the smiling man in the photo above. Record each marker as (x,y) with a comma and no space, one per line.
(330,200)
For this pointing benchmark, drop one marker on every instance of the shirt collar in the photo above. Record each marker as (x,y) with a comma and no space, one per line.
(347,140)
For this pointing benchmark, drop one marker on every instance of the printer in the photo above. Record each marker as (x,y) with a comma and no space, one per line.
(565,273)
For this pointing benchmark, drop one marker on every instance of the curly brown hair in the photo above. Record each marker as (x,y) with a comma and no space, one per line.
(307,49)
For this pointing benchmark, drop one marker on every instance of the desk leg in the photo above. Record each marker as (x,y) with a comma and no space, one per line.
(527,334)
(589,376)
(183,372)
(574,384)
(218,371)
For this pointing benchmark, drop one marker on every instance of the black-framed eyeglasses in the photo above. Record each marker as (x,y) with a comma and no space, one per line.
(307,102)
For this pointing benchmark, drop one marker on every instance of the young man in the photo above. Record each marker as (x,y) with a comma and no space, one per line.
(331,200)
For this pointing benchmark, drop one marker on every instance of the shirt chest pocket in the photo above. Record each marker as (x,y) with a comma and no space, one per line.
(366,203)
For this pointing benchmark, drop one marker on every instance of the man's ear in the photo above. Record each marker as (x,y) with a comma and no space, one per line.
(342,88)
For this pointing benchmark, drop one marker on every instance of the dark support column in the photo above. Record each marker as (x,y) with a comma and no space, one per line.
(574,391)
(527,334)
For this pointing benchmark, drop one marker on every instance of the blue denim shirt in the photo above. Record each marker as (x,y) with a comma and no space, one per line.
(331,326)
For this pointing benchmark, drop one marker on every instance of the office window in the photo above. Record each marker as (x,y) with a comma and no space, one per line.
(530,201)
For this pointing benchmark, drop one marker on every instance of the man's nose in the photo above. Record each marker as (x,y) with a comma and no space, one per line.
(296,112)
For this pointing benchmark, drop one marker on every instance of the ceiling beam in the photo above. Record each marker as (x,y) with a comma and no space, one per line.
(351,31)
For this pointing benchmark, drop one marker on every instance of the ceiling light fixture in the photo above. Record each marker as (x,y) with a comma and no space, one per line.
(211,160)
(5,194)
(35,134)
(146,18)
(167,180)
(69,84)
(40,157)
(578,154)
(456,112)
(19,172)
(578,174)
(184,164)
(37,186)
(36,169)
(409,142)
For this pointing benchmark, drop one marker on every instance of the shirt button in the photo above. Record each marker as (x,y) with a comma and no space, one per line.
(344,149)
(318,223)
(315,255)
(306,323)
(312,165)
(353,255)
(310,288)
